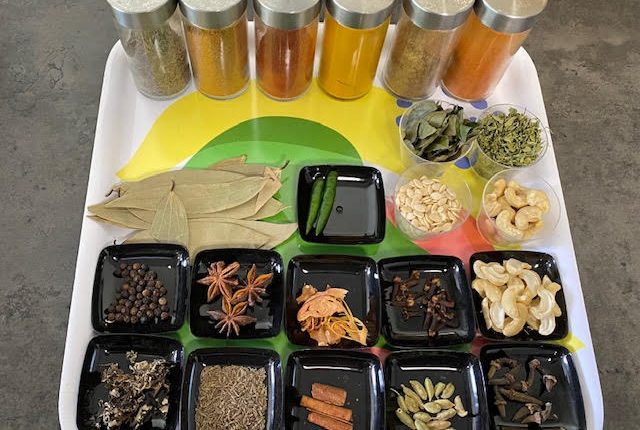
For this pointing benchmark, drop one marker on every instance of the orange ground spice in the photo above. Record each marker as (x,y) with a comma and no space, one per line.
(219,58)
(480,60)
(284,59)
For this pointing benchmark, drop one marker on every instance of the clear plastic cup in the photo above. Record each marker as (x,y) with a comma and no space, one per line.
(450,178)
(486,166)
(407,154)
(487,225)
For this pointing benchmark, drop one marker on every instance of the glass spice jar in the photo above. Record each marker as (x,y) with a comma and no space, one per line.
(286,33)
(354,33)
(216,33)
(153,41)
(425,37)
(489,40)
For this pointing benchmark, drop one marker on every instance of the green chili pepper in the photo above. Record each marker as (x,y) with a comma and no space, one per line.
(328,197)
(314,204)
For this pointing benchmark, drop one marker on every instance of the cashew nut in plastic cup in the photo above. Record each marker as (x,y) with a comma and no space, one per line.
(499,235)
(452,179)
(407,153)
(486,166)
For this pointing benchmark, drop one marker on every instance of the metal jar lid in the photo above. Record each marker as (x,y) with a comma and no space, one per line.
(142,14)
(213,13)
(438,14)
(360,14)
(509,16)
(287,14)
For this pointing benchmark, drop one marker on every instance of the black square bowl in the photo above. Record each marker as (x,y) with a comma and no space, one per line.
(170,262)
(268,313)
(358,275)
(566,397)
(359,373)
(358,215)
(106,349)
(401,333)
(461,369)
(251,357)
(543,264)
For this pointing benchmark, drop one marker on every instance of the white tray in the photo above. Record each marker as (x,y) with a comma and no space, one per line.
(125,118)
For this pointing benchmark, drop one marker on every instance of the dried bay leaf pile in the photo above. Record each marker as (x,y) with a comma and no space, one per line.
(218,207)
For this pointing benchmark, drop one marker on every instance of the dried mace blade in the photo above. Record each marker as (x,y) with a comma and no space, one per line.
(254,288)
(221,280)
(231,317)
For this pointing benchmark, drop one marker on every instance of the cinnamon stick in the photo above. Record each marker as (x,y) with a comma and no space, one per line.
(329,394)
(327,423)
(334,411)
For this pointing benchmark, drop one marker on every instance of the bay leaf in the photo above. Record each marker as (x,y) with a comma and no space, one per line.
(180,177)
(143,214)
(272,186)
(121,217)
(280,232)
(271,208)
(197,198)
(210,234)
(220,165)
(170,223)
(141,236)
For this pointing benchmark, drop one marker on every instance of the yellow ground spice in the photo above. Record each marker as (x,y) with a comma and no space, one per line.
(219,58)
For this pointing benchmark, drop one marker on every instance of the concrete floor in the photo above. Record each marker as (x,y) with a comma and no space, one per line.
(52,57)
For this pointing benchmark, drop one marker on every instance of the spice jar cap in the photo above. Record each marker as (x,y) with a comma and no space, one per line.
(509,16)
(287,14)
(142,14)
(213,13)
(360,14)
(438,14)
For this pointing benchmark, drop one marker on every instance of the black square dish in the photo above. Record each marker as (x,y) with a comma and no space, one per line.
(171,264)
(410,333)
(541,263)
(268,313)
(458,368)
(358,214)
(359,373)
(249,357)
(565,397)
(106,349)
(358,275)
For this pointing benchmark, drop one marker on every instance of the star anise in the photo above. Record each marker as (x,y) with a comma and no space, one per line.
(254,288)
(231,317)
(221,280)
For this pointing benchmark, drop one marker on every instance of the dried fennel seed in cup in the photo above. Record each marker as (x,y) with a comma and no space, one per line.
(232,398)
(429,205)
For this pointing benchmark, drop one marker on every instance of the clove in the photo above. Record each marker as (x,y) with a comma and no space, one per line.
(508,379)
(549,382)
(519,397)
(500,402)
(525,411)
(540,416)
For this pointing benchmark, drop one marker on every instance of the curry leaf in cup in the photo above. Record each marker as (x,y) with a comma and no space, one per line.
(435,133)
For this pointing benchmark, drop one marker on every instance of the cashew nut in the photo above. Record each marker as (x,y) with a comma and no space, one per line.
(539,199)
(545,308)
(477,265)
(505,225)
(513,326)
(496,311)
(547,326)
(492,206)
(532,321)
(514,267)
(510,301)
(499,187)
(533,229)
(532,281)
(514,196)
(486,289)
(485,313)
(527,215)
(497,276)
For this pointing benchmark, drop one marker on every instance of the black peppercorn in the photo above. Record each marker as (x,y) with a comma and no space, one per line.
(157,312)
(139,288)
(128,304)
(126,318)
(143,320)
(165,308)
(164,316)
(133,311)
(156,293)
(163,290)
(147,292)
(122,302)
(111,316)
(132,273)
(134,319)
(162,301)
(136,266)
(123,310)
(149,313)
(153,274)
(119,317)
(125,294)
(137,303)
